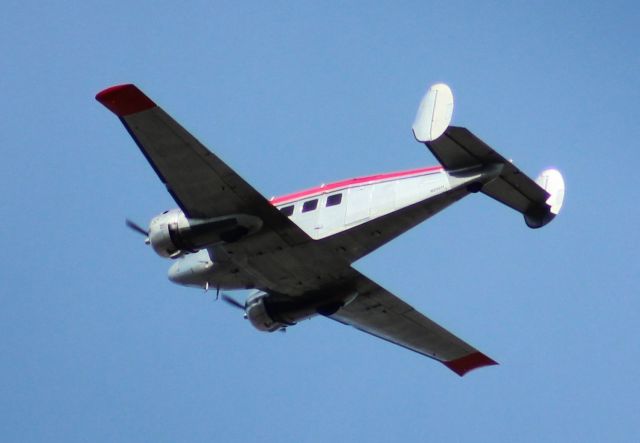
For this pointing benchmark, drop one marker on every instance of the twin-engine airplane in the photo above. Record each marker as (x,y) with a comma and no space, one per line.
(296,251)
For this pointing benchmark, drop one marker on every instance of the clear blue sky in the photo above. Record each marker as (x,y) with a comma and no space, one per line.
(97,345)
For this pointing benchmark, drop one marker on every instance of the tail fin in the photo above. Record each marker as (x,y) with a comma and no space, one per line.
(434,113)
(551,181)
(458,149)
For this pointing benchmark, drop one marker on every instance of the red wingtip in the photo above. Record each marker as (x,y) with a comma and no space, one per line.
(468,363)
(123,100)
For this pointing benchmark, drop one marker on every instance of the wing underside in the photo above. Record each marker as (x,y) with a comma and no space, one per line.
(200,182)
(378,312)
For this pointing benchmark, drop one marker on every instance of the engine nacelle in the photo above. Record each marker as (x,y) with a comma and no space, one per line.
(258,315)
(164,232)
(271,312)
(172,233)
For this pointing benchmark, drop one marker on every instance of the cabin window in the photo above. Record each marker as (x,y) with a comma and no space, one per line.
(310,205)
(334,200)
(287,210)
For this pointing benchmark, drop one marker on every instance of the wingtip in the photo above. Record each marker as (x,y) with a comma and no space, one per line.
(469,362)
(124,100)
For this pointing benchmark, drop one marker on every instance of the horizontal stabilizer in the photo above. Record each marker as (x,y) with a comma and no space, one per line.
(539,201)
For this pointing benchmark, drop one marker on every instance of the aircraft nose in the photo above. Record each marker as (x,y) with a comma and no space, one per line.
(189,271)
(176,273)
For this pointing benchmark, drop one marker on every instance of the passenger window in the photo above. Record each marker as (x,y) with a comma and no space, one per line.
(310,205)
(287,210)
(334,200)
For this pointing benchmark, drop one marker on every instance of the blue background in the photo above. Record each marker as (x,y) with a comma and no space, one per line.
(97,345)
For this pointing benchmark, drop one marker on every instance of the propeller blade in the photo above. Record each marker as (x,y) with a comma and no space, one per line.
(232,301)
(136,227)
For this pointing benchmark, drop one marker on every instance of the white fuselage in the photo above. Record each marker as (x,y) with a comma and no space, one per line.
(328,210)
(336,207)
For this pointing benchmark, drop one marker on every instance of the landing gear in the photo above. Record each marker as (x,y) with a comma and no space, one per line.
(474,187)
(329,309)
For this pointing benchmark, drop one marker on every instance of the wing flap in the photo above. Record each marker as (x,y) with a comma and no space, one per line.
(378,312)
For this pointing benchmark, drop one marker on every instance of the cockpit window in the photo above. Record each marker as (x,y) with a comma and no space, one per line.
(310,205)
(334,200)
(287,210)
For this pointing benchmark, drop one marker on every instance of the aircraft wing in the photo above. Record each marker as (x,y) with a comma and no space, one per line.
(378,312)
(200,183)
(360,240)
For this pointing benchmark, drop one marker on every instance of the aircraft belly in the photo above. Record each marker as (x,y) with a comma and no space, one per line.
(295,270)
(260,261)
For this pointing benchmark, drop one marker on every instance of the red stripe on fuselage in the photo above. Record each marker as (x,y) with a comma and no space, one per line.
(352,182)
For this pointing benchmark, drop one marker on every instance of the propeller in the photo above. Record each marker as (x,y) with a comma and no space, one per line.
(232,301)
(132,225)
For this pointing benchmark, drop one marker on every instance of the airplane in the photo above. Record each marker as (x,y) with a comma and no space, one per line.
(296,251)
